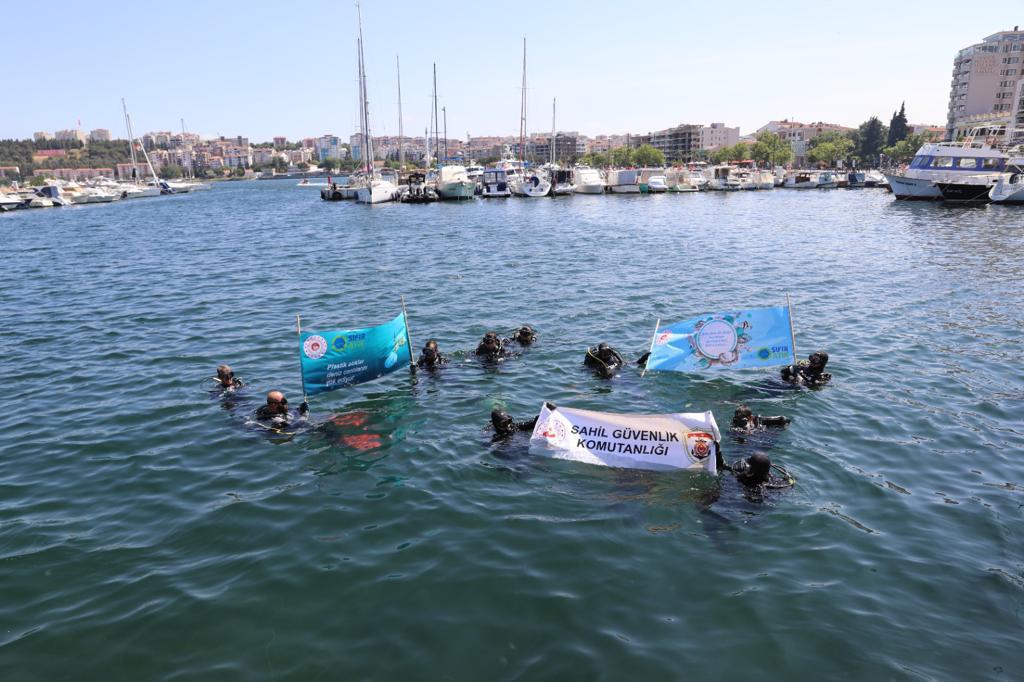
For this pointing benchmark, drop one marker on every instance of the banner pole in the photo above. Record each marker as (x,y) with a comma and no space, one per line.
(298,332)
(792,334)
(408,336)
(651,349)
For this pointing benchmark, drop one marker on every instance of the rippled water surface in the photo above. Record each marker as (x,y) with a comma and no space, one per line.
(148,533)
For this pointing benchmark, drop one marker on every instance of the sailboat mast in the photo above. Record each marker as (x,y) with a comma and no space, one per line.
(437,146)
(131,142)
(359,85)
(553,100)
(401,147)
(522,112)
(444,113)
(366,100)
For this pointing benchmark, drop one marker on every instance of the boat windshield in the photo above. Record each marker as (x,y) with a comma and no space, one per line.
(967,163)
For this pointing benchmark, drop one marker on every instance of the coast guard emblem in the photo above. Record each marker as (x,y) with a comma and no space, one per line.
(698,445)
(315,347)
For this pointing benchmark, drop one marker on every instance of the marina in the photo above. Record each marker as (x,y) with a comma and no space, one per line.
(128,525)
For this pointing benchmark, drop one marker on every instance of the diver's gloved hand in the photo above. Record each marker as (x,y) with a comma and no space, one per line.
(304,408)
(550,405)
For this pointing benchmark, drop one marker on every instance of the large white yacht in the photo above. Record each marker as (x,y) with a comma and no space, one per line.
(624,181)
(588,180)
(946,162)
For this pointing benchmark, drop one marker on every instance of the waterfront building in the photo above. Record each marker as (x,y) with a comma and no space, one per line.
(678,144)
(41,136)
(329,146)
(984,87)
(99,135)
(10,172)
(718,135)
(65,135)
(799,135)
(73,173)
(280,142)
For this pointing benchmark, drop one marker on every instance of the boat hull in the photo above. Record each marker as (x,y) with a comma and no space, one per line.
(378,193)
(590,189)
(964,192)
(456,190)
(913,189)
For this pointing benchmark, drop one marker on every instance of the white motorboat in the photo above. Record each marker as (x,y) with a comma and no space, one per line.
(946,162)
(562,183)
(680,181)
(9,202)
(40,202)
(625,181)
(827,180)
(764,179)
(495,184)
(801,180)
(874,178)
(587,180)
(454,183)
(1010,187)
(657,184)
(723,179)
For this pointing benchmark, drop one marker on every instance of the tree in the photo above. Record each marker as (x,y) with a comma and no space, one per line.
(171,172)
(280,165)
(239,171)
(898,129)
(596,159)
(868,139)
(831,151)
(772,150)
(648,156)
(330,164)
(905,149)
(303,166)
(622,157)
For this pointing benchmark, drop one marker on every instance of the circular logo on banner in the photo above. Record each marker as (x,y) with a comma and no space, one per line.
(717,338)
(554,431)
(663,338)
(701,449)
(315,347)
(339,343)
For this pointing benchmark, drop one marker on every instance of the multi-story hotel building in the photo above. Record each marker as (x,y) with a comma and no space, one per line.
(984,88)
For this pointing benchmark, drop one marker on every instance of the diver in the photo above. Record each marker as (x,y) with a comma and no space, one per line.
(604,360)
(810,372)
(226,379)
(275,413)
(491,346)
(504,425)
(524,336)
(430,356)
(755,473)
(744,419)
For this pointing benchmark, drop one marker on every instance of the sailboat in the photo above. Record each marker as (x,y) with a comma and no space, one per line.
(534,183)
(137,189)
(375,190)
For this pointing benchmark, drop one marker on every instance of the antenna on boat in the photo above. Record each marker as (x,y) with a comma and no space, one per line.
(522,113)
(437,145)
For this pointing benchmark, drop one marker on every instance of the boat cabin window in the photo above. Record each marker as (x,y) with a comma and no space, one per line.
(942,162)
(968,163)
(992,164)
(920,162)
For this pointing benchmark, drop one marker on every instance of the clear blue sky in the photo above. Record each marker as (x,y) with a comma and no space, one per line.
(288,68)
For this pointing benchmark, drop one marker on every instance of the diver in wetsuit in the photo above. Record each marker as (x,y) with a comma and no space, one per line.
(430,357)
(275,413)
(504,425)
(491,346)
(524,336)
(226,379)
(744,419)
(604,360)
(810,372)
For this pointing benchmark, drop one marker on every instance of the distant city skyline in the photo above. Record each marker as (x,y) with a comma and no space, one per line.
(612,72)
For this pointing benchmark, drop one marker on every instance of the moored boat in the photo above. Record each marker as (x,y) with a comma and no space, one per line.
(1010,187)
(946,162)
(587,180)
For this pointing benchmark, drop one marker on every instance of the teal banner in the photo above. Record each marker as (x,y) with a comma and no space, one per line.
(332,360)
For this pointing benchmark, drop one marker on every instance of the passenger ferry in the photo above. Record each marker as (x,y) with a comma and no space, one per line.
(950,164)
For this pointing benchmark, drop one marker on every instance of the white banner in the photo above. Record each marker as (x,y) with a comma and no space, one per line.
(634,441)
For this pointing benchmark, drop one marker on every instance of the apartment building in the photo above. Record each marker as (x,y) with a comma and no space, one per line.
(983,90)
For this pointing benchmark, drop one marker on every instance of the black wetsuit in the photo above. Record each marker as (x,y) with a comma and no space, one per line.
(431,362)
(804,373)
(604,359)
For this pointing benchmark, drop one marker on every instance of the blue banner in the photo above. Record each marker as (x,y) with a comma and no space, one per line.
(759,337)
(332,360)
